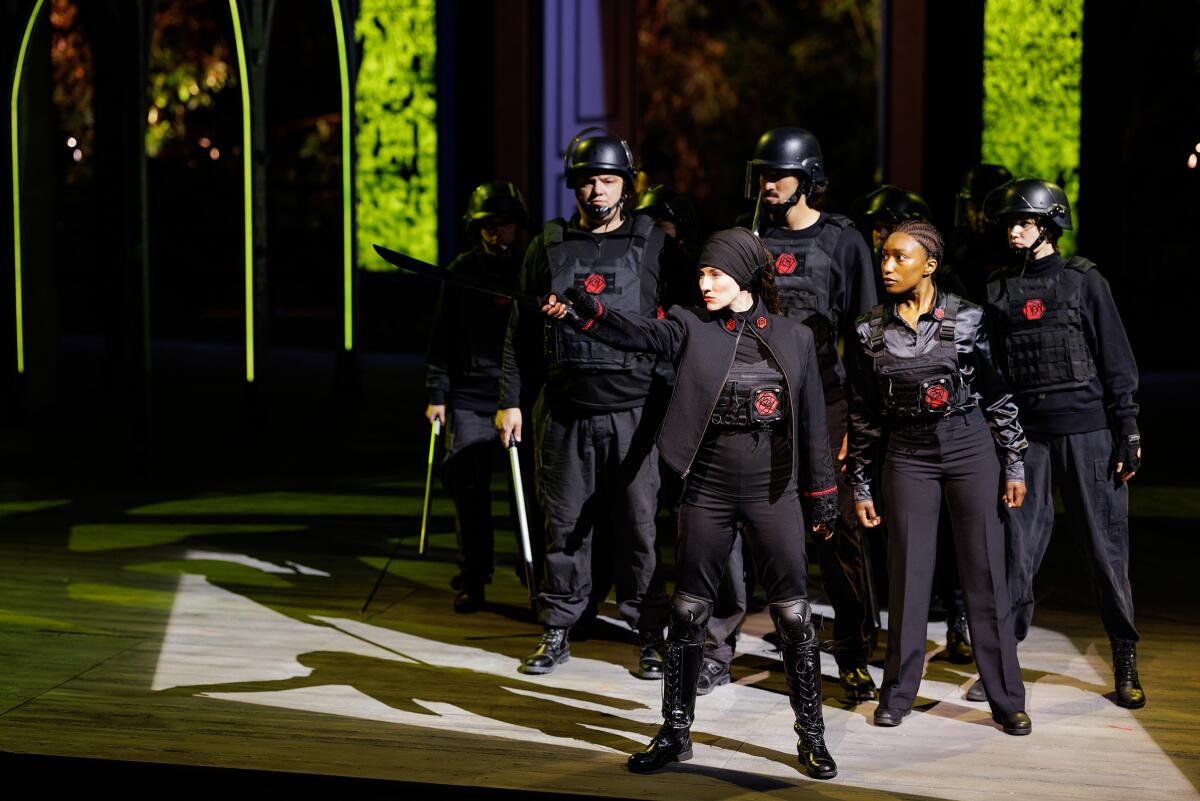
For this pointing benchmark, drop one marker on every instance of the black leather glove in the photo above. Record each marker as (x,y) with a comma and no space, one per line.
(826,509)
(1127,452)
(585,306)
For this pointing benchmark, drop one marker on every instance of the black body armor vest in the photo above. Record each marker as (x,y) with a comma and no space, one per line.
(617,283)
(1045,346)
(928,385)
(803,267)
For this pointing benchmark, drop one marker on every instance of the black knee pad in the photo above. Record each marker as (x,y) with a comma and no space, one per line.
(689,617)
(793,621)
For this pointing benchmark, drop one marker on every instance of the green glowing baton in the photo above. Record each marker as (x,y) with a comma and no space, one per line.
(434,430)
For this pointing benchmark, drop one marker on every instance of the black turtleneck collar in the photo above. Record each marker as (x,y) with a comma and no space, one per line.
(1045,264)
(756,317)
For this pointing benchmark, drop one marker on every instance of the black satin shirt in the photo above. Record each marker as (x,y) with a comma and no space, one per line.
(986,386)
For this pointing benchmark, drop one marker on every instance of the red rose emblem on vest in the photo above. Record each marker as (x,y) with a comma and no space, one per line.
(1034,309)
(594,284)
(766,403)
(936,397)
(785,264)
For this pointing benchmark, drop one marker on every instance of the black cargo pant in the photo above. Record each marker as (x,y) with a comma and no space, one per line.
(843,571)
(954,458)
(472,448)
(597,476)
(1097,513)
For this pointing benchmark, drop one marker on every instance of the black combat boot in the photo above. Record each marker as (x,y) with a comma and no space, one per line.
(651,647)
(551,651)
(673,743)
(1129,689)
(470,598)
(802,666)
(958,645)
(857,684)
(713,674)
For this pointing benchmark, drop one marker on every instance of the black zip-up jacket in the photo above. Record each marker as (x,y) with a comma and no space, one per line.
(466,345)
(525,366)
(703,346)
(1107,401)
(976,366)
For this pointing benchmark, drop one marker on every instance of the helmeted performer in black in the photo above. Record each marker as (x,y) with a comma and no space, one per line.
(597,466)
(924,376)
(977,247)
(881,211)
(746,429)
(463,379)
(824,275)
(1063,348)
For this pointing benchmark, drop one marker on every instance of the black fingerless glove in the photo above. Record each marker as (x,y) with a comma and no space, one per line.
(826,509)
(585,307)
(1127,452)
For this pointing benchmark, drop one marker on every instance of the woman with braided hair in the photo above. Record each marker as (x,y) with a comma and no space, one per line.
(924,375)
(746,429)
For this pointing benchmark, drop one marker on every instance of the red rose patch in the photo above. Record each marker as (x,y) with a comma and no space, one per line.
(785,264)
(594,284)
(766,403)
(730,325)
(761,322)
(1034,309)
(937,397)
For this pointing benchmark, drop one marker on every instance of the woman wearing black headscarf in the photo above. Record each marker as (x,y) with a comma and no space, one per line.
(746,429)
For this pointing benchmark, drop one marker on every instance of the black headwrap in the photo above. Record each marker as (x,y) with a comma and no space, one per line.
(738,253)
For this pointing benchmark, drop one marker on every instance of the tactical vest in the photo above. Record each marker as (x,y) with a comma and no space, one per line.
(926,385)
(753,397)
(803,268)
(1045,346)
(617,283)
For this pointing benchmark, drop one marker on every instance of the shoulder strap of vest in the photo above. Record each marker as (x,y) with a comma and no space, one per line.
(643,224)
(949,320)
(1079,264)
(552,233)
(875,328)
(830,231)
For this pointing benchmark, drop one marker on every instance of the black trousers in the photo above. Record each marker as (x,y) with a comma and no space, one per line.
(954,458)
(843,571)
(1097,513)
(774,534)
(597,476)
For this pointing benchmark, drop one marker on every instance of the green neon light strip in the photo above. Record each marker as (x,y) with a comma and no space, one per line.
(247,187)
(16,185)
(347,253)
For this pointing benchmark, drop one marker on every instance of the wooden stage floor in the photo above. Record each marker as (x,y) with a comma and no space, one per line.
(223,629)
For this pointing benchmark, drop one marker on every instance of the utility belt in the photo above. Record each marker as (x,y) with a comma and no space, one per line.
(749,406)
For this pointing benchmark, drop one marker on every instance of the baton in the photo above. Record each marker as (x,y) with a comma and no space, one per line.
(434,430)
(522,521)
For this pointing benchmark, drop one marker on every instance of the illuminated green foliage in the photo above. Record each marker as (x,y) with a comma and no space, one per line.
(1032,63)
(191,63)
(397,129)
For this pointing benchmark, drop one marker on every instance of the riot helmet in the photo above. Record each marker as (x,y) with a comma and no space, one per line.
(977,184)
(1031,196)
(601,153)
(793,150)
(496,199)
(892,204)
(663,203)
